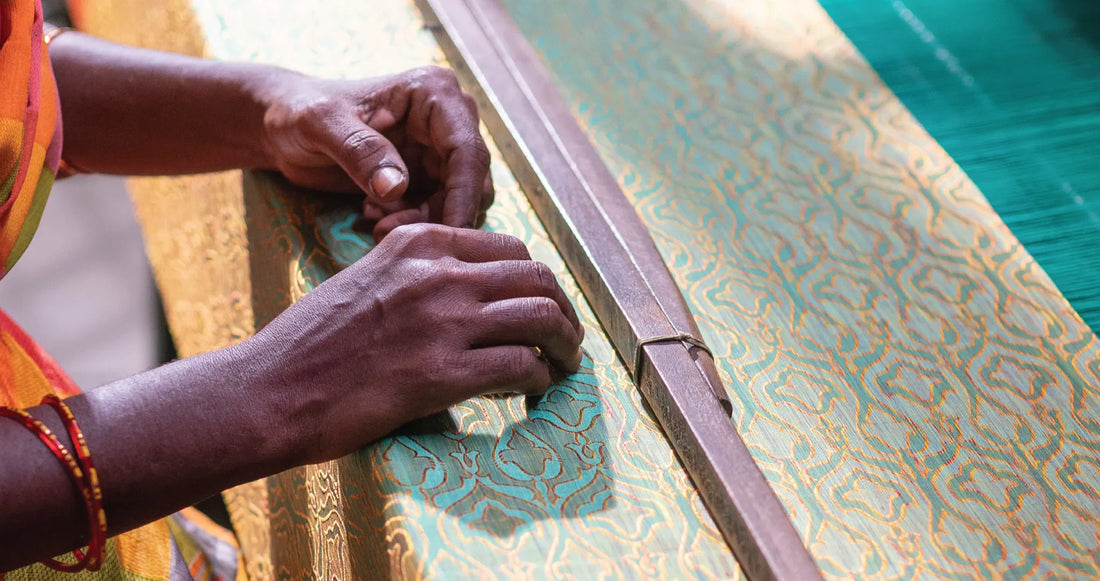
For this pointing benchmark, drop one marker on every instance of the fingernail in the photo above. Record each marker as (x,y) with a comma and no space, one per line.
(385,180)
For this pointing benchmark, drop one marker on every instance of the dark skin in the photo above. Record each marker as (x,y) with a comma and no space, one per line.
(340,368)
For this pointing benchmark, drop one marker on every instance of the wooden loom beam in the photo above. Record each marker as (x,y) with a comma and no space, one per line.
(614,260)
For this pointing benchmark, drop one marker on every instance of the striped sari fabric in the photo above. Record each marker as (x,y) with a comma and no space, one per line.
(30,127)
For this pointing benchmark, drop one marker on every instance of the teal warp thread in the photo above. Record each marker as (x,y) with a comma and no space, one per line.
(1011,89)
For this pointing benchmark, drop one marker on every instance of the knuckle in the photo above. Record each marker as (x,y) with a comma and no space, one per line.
(451,269)
(316,109)
(403,233)
(517,364)
(408,236)
(543,311)
(478,150)
(364,143)
(511,246)
(444,77)
(435,78)
(443,372)
(421,74)
(310,115)
(545,278)
(425,238)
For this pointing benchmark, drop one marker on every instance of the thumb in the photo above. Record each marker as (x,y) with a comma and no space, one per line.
(369,159)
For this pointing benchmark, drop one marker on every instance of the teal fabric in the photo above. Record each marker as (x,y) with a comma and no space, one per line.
(1011,89)
(922,401)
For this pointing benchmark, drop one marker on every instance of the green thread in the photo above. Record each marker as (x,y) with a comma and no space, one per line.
(1010,89)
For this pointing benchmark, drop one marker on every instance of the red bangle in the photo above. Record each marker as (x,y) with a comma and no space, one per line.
(67,170)
(91,481)
(50,32)
(93,556)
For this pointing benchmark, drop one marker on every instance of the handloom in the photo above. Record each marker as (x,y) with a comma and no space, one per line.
(917,393)
(1010,90)
(610,253)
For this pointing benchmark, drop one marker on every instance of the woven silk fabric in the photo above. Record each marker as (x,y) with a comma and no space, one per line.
(1009,89)
(580,485)
(921,397)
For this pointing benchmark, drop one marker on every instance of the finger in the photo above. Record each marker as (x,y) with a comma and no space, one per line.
(478,246)
(442,116)
(523,278)
(535,322)
(466,167)
(373,212)
(401,218)
(327,179)
(508,369)
(369,159)
(487,198)
(383,209)
(470,246)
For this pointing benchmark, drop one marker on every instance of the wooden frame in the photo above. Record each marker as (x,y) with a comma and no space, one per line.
(611,254)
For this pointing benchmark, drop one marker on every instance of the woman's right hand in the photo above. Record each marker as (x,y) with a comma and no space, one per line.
(432,316)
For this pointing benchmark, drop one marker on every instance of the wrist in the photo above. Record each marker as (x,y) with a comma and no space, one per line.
(269,398)
(248,390)
(268,88)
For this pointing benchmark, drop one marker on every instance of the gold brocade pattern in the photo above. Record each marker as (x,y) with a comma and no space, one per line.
(921,397)
(582,484)
(871,315)
(195,238)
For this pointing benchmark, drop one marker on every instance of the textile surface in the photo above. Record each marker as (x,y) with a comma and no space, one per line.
(921,397)
(581,485)
(1009,89)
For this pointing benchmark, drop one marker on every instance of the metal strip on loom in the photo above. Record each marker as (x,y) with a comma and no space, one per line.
(610,253)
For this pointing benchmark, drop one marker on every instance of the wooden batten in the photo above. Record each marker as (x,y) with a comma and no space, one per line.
(613,258)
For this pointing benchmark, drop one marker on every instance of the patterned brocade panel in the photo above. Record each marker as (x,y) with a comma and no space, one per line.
(581,485)
(923,400)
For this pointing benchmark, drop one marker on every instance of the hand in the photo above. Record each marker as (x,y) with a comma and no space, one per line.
(409,141)
(430,317)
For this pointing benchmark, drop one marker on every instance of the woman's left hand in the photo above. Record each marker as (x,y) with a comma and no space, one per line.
(410,141)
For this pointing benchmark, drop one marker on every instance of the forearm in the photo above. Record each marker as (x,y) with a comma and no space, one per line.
(134,111)
(161,441)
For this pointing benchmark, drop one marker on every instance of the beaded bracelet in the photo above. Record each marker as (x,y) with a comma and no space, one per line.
(91,480)
(91,559)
